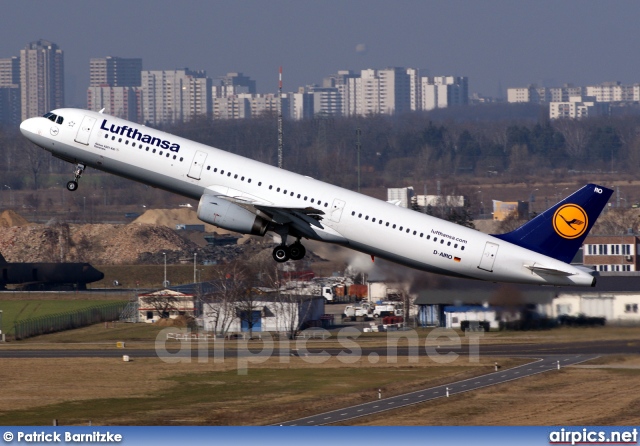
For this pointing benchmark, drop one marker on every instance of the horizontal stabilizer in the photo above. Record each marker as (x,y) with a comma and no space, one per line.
(544,270)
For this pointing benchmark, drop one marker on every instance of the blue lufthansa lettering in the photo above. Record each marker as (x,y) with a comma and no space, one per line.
(134,133)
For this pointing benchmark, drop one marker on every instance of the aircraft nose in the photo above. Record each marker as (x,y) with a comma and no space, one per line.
(28,127)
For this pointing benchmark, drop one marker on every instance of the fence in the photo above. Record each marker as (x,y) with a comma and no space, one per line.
(66,321)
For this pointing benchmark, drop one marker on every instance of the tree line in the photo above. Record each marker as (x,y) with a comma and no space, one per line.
(395,150)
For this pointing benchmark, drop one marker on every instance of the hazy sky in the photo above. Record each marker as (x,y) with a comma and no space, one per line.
(494,42)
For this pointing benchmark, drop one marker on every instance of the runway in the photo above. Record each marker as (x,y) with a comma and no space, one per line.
(546,364)
(528,350)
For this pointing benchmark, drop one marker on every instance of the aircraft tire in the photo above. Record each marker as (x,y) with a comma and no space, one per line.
(297,251)
(281,254)
(72,186)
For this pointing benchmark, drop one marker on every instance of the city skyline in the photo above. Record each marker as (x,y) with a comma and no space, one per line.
(496,43)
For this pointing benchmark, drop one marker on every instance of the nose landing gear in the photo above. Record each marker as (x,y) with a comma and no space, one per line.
(73,185)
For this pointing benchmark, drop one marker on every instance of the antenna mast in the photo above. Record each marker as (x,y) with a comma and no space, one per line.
(280,141)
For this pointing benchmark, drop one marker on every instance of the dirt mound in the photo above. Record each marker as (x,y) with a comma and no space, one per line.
(171,218)
(10,218)
(102,244)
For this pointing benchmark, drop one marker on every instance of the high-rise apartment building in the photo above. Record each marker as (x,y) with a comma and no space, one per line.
(41,78)
(10,72)
(239,80)
(115,72)
(114,85)
(175,96)
(444,91)
(10,91)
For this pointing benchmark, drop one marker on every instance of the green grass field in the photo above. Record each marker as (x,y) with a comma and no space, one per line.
(14,310)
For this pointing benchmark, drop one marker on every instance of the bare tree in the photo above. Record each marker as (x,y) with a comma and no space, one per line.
(229,285)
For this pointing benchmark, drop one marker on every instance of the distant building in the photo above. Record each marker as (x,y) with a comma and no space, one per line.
(165,303)
(611,253)
(444,91)
(578,107)
(175,96)
(269,313)
(115,72)
(403,195)
(122,102)
(10,110)
(505,209)
(41,78)
(239,80)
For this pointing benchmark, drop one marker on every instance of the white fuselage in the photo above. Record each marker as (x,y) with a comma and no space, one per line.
(350,219)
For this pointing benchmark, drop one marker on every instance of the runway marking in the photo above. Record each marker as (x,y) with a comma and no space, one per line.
(420,396)
(503,376)
(464,385)
(343,414)
(375,406)
(406,399)
(327,418)
(360,410)
(392,402)
(309,422)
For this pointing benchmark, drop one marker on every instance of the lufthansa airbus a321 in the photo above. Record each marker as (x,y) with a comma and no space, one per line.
(250,197)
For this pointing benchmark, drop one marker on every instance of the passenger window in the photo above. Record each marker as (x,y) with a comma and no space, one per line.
(441,241)
(228,174)
(126,142)
(181,159)
(278,190)
(270,187)
(106,136)
(113,138)
(221,172)
(448,243)
(235,176)
(359,215)
(241,178)
(373,220)
(462,248)
(215,169)
(154,150)
(353,212)
(366,217)
(394,226)
(120,140)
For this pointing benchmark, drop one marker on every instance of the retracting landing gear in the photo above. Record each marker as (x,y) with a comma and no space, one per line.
(73,185)
(294,251)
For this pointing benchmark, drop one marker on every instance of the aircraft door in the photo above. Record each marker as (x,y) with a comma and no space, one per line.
(336,210)
(84,132)
(196,165)
(488,256)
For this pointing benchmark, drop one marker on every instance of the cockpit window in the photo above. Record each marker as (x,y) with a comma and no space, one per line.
(51,117)
(59,120)
(46,115)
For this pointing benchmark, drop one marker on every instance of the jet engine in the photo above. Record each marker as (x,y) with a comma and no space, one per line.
(227,215)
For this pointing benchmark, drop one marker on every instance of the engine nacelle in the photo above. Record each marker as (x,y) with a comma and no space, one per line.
(227,215)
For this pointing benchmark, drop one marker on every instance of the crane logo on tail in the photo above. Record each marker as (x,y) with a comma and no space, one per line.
(570,221)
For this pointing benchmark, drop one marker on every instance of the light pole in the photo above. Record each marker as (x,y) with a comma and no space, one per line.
(10,195)
(195,254)
(164,282)
(532,199)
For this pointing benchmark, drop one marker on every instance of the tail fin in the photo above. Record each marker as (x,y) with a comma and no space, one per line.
(559,231)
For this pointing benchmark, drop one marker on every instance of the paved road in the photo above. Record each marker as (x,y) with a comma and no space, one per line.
(541,365)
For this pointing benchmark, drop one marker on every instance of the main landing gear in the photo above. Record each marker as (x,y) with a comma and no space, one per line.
(73,185)
(294,251)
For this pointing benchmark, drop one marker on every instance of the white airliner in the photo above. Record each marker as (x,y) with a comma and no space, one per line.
(250,197)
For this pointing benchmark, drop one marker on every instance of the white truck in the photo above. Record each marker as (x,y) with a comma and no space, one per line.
(363,309)
(387,309)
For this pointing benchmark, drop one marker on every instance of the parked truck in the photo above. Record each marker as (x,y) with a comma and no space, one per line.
(363,309)
(388,309)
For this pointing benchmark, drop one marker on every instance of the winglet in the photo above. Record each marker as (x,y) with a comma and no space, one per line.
(559,231)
